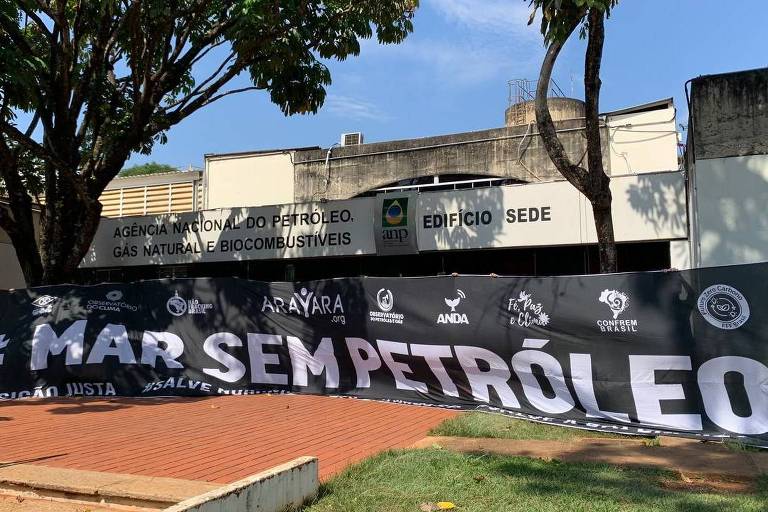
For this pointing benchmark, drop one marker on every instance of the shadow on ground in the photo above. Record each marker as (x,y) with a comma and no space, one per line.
(96,404)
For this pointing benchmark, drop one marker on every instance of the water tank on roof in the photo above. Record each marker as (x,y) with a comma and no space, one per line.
(522,108)
(560,109)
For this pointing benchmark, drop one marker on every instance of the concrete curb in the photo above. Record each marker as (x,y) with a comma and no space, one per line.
(274,490)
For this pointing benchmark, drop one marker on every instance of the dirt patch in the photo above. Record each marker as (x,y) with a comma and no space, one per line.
(719,484)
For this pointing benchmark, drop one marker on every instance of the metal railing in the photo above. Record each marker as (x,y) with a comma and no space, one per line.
(521,89)
(448,185)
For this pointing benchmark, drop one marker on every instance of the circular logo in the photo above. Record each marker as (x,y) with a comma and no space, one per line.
(114,295)
(176,305)
(394,214)
(385,299)
(723,306)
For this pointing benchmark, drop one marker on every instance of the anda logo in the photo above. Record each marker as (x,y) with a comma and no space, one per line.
(307,304)
(453,317)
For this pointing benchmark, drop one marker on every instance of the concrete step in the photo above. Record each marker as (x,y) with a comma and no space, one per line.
(13,501)
(38,487)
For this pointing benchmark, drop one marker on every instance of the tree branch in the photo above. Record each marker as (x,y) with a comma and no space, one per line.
(31,14)
(199,89)
(32,125)
(12,29)
(593,57)
(233,91)
(574,174)
(20,138)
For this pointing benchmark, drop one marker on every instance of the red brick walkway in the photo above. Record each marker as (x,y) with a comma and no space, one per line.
(217,439)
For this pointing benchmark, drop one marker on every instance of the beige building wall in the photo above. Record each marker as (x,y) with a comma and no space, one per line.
(10,270)
(11,275)
(649,206)
(255,179)
(646,207)
(729,218)
(642,141)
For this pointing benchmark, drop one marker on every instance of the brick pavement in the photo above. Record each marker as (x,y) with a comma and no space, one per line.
(218,439)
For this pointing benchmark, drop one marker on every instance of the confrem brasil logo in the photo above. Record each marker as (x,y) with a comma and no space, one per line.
(618,302)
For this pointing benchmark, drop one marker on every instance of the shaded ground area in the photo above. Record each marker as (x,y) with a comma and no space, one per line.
(405,480)
(218,439)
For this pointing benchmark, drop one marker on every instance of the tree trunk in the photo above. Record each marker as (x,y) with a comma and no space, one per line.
(21,231)
(73,222)
(600,191)
(592,182)
(605,242)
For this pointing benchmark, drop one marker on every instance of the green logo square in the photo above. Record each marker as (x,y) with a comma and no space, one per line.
(394,212)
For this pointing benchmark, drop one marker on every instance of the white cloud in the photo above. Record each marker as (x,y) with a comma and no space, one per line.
(465,43)
(456,63)
(353,108)
(499,16)
(480,41)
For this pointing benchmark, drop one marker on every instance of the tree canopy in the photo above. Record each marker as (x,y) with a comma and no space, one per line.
(148,168)
(560,17)
(100,80)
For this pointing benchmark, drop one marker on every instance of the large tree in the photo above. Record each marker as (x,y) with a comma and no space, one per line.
(96,80)
(559,20)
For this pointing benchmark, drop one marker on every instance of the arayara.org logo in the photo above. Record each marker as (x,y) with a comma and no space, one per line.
(723,306)
(306,303)
(454,317)
(385,300)
(179,306)
(618,302)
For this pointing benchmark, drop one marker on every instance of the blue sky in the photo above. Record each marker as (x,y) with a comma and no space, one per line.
(451,74)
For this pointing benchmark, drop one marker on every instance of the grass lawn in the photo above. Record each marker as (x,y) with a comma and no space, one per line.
(482,424)
(402,480)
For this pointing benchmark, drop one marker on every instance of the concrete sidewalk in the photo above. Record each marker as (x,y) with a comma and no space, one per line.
(683,455)
(218,439)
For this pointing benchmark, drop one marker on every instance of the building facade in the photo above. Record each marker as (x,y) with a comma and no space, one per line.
(474,202)
(479,202)
(728,166)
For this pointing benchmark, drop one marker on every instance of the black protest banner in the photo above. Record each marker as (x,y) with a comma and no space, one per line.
(682,353)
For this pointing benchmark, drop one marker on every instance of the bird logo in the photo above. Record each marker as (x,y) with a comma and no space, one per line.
(454,303)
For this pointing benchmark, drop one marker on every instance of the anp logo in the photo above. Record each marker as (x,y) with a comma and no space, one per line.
(394,212)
